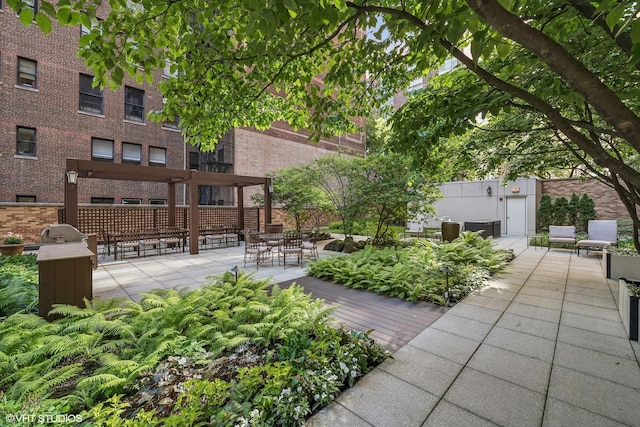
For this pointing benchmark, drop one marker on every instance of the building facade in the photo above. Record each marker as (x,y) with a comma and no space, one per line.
(49,111)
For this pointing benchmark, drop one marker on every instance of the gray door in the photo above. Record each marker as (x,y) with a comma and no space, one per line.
(516,216)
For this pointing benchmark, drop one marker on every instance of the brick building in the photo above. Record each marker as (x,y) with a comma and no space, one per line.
(49,111)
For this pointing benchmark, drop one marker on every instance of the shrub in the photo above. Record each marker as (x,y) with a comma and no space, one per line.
(560,210)
(417,273)
(545,212)
(18,284)
(587,211)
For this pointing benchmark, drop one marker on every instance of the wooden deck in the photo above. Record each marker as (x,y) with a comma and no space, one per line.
(395,322)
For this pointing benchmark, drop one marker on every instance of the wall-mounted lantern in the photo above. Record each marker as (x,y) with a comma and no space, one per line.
(489,190)
(72,177)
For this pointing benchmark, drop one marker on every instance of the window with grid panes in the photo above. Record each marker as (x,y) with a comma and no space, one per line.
(133,104)
(25,141)
(91,98)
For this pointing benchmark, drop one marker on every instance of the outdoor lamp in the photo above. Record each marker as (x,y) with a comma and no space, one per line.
(235,270)
(72,177)
(489,190)
(446,271)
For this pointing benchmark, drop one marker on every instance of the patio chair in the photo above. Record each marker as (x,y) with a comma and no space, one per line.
(562,234)
(128,242)
(291,246)
(231,237)
(171,239)
(602,233)
(311,248)
(254,248)
(150,241)
(216,238)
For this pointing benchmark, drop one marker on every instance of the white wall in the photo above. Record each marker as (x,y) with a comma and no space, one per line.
(470,201)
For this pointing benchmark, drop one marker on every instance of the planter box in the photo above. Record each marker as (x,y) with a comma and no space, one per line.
(617,266)
(628,308)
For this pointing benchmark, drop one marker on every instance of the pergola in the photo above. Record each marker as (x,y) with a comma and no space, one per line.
(192,178)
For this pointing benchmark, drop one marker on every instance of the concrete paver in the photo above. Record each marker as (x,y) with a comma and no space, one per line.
(549,350)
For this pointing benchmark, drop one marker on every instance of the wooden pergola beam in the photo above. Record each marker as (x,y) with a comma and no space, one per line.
(192,178)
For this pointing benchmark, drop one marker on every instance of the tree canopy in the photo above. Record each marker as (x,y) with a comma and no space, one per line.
(316,64)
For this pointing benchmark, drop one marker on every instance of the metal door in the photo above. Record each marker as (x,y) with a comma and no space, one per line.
(516,216)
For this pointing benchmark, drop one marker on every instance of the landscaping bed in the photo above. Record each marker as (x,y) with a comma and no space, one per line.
(227,354)
(442,273)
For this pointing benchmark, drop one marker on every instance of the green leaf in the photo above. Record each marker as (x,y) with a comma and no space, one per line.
(117,75)
(635,32)
(26,17)
(43,22)
(290,5)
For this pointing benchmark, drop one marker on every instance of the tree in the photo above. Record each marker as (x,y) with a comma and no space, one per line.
(587,211)
(297,195)
(248,63)
(560,210)
(339,177)
(545,212)
(573,212)
(393,191)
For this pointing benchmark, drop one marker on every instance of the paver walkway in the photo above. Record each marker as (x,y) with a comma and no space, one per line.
(542,346)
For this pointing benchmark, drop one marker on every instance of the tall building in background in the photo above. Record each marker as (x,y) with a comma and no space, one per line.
(49,111)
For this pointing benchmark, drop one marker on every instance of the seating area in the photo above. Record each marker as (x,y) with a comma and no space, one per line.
(147,242)
(602,233)
(261,247)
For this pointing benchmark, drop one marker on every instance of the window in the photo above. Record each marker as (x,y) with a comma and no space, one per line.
(133,104)
(31,4)
(131,201)
(101,149)
(86,30)
(27,73)
(157,201)
(220,155)
(25,199)
(91,98)
(131,153)
(166,71)
(157,156)
(102,200)
(26,141)
(194,160)
(173,124)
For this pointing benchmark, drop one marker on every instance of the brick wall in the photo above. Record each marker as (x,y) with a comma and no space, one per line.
(61,130)
(608,204)
(27,219)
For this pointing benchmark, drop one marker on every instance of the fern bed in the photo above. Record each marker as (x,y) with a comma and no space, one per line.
(440,273)
(227,354)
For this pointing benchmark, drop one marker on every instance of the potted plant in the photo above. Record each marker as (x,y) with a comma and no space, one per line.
(621,262)
(629,293)
(13,244)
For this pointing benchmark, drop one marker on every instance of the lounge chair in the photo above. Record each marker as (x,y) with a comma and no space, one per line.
(602,233)
(562,234)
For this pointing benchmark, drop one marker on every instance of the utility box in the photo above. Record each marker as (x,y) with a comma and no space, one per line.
(65,275)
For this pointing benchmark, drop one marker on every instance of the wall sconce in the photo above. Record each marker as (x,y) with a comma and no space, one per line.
(271,189)
(72,177)
(489,190)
